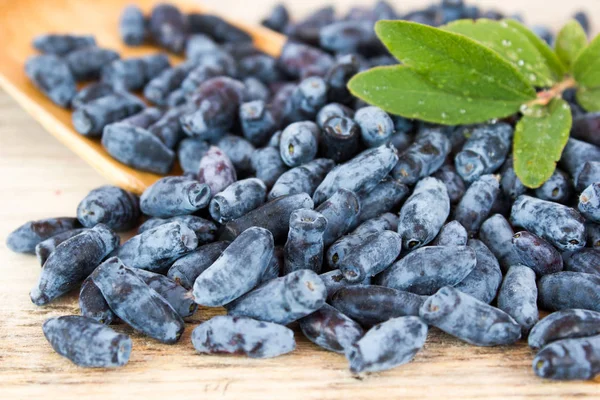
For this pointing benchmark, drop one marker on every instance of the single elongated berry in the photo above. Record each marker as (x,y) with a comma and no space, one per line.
(337,78)
(589,202)
(174,195)
(304,246)
(216,104)
(239,151)
(298,143)
(536,253)
(268,165)
(340,139)
(387,195)
(511,185)
(560,225)
(168,80)
(454,183)
(277,19)
(424,157)
(145,118)
(176,295)
(340,211)
(476,204)
(584,260)
(217,28)
(45,248)
(198,45)
(137,148)
(91,118)
(282,300)
(360,175)
(90,93)
(86,64)
(216,170)
(423,213)
(237,270)
(238,199)
(109,205)
(388,345)
(497,234)
(52,76)
(334,280)
(92,303)
(27,236)
(338,251)
(62,44)
(87,343)
(469,319)
(168,27)
(587,174)
(186,269)
(257,121)
(273,216)
(376,126)
(297,58)
(371,257)
(331,110)
(346,36)
(371,304)
(451,234)
(576,153)
(567,289)
(302,179)
(565,324)
(426,270)
(157,248)
(132,26)
(557,188)
(330,329)
(205,230)
(133,73)
(168,128)
(71,262)
(239,335)
(484,151)
(484,280)
(189,153)
(132,300)
(569,359)
(518,296)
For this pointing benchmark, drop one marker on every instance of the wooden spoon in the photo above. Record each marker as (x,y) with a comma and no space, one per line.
(22,20)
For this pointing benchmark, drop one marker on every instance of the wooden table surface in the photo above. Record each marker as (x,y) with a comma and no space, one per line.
(40,178)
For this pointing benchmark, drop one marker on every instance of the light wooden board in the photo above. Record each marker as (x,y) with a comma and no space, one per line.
(39,178)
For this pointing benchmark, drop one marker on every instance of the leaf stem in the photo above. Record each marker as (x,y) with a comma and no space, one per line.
(545,96)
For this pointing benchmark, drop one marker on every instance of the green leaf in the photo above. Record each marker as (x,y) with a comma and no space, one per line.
(570,42)
(400,90)
(586,69)
(511,44)
(551,58)
(589,98)
(540,137)
(455,63)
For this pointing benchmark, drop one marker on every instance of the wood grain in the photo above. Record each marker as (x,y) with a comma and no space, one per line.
(21,20)
(40,177)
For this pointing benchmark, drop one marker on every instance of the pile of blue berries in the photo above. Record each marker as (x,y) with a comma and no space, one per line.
(301,203)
